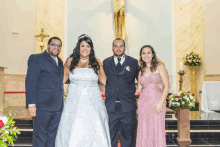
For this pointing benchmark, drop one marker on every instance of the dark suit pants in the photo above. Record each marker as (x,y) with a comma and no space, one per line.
(126,124)
(45,126)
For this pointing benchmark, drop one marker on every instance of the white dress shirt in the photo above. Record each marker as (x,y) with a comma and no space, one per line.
(116,59)
(56,60)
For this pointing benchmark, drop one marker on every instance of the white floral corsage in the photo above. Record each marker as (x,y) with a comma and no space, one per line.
(127,68)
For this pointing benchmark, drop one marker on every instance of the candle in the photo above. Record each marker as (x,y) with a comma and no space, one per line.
(181,66)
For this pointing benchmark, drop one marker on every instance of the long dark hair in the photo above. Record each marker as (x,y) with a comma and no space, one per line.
(153,61)
(76,54)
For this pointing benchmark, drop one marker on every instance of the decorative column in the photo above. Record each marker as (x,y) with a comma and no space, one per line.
(183,116)
(189,35)
(193,80)
(2,87)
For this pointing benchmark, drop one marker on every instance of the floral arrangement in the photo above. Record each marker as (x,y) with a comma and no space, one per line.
(7,131)
(192,59)
(182,99)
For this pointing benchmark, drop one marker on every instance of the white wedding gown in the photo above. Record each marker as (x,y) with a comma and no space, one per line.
(84,121)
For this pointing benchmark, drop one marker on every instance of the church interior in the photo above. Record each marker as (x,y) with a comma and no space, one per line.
(174,28)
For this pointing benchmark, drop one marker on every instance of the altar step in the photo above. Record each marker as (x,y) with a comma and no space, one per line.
(171,142)
(204,133)
(203,140)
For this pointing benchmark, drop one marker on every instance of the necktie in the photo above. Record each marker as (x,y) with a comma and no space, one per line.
(56,60)
(118,67)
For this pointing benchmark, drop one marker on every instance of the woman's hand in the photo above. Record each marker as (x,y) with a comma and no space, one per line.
(158,107)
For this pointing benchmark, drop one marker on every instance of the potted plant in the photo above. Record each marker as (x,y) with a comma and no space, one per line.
(8,132)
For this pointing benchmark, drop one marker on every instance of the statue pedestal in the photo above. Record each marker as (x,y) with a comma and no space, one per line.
(193,80)
(183,116)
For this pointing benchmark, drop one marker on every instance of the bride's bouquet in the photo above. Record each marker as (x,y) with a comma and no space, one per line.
(7,131)
(182,99)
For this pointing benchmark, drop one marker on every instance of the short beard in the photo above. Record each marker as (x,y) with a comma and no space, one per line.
(51,53)
(55,55)
(119,55)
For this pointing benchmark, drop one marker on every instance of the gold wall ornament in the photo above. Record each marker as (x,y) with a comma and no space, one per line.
(193,80)
(42,36)
(119,19)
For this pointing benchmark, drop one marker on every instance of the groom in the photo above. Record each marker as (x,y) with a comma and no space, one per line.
(44,93)
(121,71)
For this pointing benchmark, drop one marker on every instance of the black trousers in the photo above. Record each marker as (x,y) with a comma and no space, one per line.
(126,124)
(45,125)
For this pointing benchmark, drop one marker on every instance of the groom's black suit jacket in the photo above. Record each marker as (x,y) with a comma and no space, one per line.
(44,82)
(121,85)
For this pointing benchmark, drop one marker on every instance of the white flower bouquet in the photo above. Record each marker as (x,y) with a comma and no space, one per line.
(182,99)
(7,131)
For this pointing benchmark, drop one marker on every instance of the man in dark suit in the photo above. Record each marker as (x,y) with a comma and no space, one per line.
(121,71)
(44,93)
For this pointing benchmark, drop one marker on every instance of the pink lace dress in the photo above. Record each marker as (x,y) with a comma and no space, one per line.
(151,126)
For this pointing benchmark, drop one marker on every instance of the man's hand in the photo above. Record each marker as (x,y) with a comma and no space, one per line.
(32,111)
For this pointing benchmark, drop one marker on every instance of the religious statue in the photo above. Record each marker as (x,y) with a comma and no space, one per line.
(119,19)
(42,36)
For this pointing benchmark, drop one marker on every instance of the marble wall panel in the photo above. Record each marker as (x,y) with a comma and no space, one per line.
(49,15)
(15,102)
(19,112)
(17,99)
(14,82)
(189,26)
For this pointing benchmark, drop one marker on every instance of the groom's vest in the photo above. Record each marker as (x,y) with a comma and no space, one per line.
(121,85)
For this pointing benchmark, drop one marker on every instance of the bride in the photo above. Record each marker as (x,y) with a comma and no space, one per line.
(84,121)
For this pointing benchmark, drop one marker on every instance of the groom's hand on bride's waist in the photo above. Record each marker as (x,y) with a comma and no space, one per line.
(32,111)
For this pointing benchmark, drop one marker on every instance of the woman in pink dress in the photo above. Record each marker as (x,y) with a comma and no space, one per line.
(153,86)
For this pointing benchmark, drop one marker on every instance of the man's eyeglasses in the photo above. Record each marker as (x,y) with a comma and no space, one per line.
(54,45)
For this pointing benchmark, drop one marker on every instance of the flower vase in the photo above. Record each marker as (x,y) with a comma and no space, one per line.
(183,124)
(193,80)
